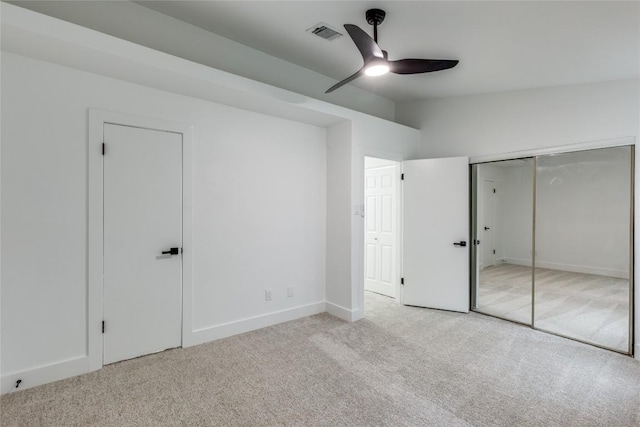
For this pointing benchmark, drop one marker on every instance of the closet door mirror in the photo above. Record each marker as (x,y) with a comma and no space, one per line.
(583,238)
(503,204)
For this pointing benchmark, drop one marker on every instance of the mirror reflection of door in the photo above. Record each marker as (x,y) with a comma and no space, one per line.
(487,224)
(504,228)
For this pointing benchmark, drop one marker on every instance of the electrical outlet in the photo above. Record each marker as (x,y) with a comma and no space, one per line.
(290,291)
(267,294)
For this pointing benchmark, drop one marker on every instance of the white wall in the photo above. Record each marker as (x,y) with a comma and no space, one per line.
(517,211)
(339,219)
(259,211)
(259,216)
(491,124)
(522,120)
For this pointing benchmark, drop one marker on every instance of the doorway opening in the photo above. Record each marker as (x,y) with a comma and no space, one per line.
(381,215)
(432,230)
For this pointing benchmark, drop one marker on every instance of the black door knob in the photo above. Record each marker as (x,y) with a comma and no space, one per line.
(172,251)
(460,243)
(487,228)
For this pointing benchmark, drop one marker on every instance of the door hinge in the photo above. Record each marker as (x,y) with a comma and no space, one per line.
(402,280)
(402,177)
(494,251)
(103,148)
(494,190)
(103,326)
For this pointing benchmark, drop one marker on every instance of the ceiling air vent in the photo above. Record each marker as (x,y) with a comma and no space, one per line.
(325,31)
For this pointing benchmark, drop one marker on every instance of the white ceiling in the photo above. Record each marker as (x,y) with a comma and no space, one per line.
(501,45)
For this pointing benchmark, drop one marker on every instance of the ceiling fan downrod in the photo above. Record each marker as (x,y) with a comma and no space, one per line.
(375,17)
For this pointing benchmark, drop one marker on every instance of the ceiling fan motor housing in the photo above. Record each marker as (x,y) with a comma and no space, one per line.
(375,16)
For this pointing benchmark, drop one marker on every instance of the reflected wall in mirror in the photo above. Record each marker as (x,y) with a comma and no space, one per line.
(503,237)
(582,244)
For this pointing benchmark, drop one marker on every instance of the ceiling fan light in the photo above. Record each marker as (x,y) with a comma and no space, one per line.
(376,69)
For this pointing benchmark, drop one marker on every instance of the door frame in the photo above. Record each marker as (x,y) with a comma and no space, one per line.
(95,226)
(398,209)
(358,221)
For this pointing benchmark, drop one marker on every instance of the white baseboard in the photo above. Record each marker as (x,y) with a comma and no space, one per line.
(600,271)
(44,374)
(201,336)
(81,365)
(343,313)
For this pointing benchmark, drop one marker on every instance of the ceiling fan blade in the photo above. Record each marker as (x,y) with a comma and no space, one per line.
(416,66)
(347,80)
(366,45)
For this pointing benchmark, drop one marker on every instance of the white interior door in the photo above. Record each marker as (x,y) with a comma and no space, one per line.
(142,218)
(487,224)
(435,230)
(381,228)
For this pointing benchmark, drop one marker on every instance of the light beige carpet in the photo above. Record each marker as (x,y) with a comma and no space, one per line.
(401,366)
(584,306)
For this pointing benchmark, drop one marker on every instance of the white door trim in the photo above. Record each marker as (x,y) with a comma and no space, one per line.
(95,257)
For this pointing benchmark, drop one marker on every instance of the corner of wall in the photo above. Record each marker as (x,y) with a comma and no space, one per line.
(338,238)
(343,313)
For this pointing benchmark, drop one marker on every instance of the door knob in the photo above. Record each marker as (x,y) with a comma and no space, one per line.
(487,228)
(460,243)
(172,251)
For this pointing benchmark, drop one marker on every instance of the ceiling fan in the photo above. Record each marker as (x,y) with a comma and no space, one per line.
(376,62)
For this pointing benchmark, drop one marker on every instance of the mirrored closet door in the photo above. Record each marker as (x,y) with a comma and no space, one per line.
(553,244)
(504,218)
